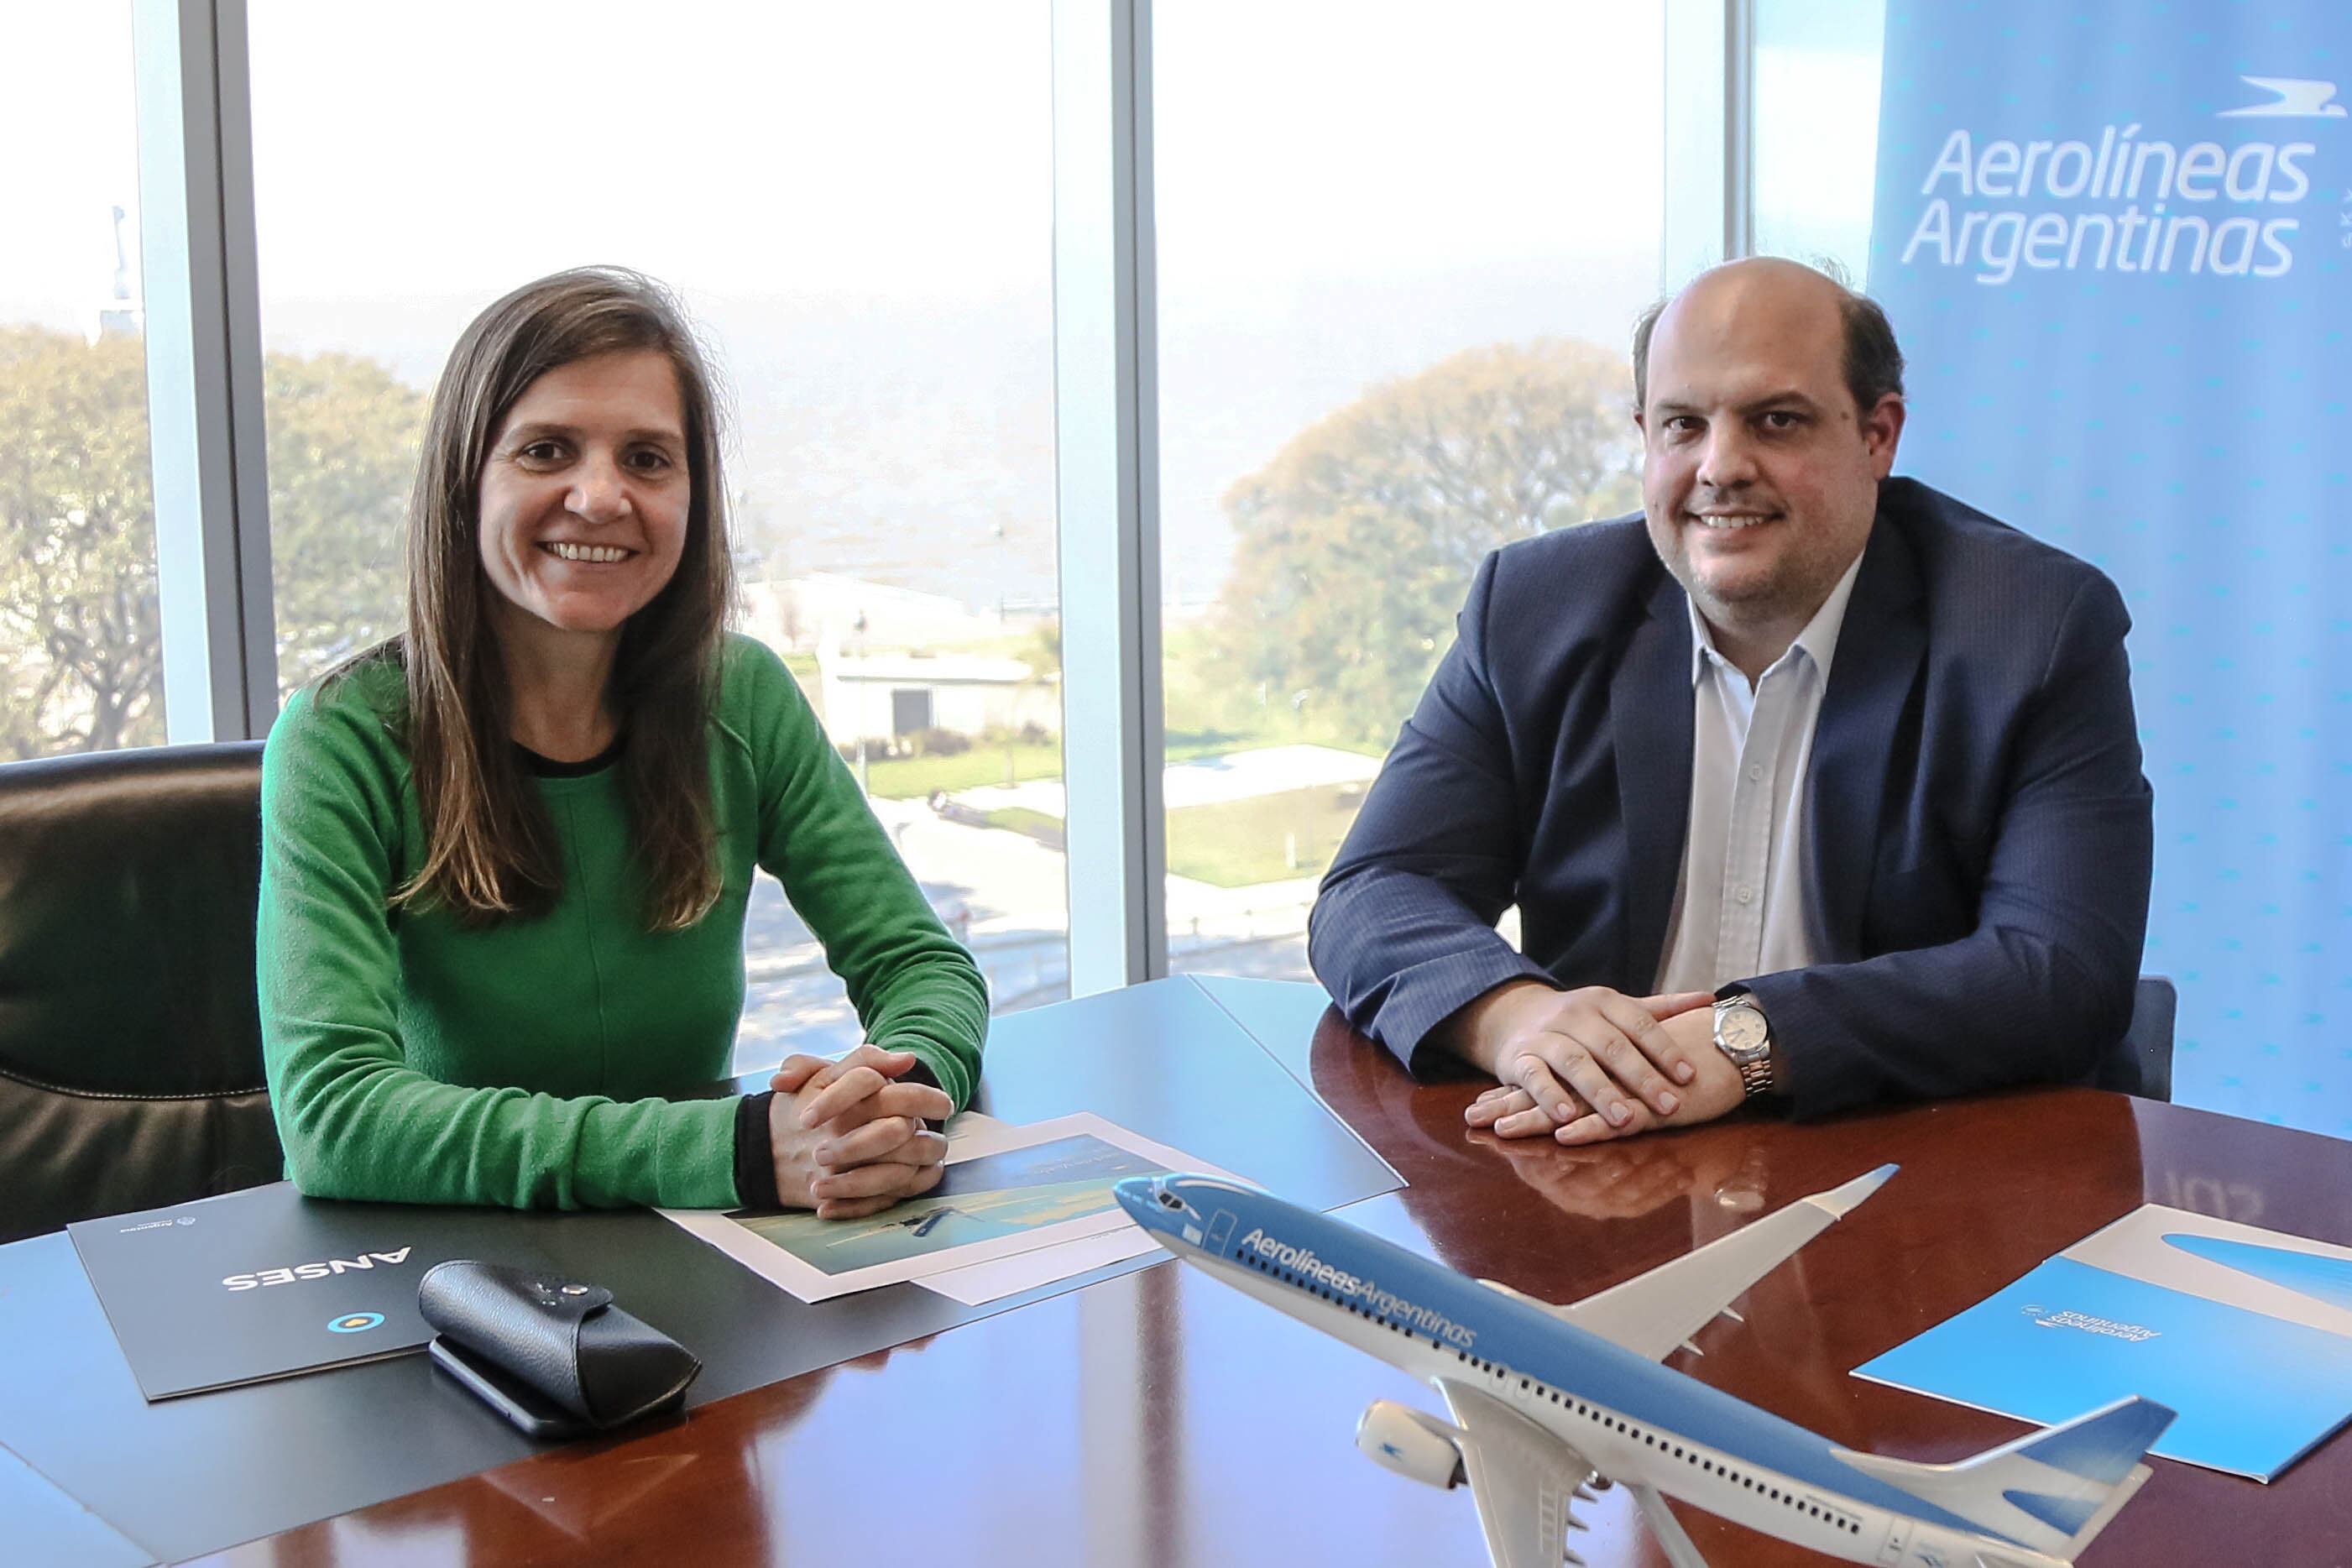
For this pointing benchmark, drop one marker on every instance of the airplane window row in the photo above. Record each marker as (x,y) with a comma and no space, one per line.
(1691,1457)
(1581,1409)
(1288,1277)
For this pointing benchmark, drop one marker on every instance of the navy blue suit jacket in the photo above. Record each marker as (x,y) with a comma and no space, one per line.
(1981,829)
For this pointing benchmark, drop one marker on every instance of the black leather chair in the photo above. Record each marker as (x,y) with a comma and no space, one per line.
(2142,1065)
(130,1042)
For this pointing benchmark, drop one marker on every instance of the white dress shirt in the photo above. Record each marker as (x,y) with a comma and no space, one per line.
(1745,904)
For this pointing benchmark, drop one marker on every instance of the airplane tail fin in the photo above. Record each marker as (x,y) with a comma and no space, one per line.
(2052,1490)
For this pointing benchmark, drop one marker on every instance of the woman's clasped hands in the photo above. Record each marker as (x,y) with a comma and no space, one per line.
(849,1137)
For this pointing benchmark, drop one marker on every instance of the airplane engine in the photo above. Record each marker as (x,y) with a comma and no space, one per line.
(1398,1437)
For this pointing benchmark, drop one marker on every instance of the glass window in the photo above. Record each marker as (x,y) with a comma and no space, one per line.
(81,641)
(1816,128)
(1399,261)
(857,203)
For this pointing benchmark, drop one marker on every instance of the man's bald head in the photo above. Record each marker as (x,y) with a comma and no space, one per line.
(1760,456)
(1872,361)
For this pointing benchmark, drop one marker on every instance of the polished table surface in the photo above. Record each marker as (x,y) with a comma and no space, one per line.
(1162,1419)
(182,1477)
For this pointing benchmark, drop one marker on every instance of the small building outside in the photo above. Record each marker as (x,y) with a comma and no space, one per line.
(897,696)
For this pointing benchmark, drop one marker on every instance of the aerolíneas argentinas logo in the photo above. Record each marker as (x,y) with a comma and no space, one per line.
(2044,1318)
(1303,1262)
(2124,200)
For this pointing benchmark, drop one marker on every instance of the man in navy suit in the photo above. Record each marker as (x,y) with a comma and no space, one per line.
(1808,782)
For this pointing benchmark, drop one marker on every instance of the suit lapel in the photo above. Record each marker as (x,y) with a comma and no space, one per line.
(1649,711)
(1871,675)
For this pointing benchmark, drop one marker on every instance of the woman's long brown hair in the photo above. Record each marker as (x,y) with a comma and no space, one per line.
(492,851)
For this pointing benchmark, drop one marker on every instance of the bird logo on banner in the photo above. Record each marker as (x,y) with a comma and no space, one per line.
(2292,98)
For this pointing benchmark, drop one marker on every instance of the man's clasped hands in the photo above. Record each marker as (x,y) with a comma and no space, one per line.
(1592,1064)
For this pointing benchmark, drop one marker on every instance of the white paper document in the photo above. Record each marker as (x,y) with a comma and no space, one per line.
(1007,1191)
(977,1284)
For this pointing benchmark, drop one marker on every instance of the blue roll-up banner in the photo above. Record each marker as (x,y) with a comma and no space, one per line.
(2114,239)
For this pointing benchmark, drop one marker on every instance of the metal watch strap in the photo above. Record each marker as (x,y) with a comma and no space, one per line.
(1755,1075)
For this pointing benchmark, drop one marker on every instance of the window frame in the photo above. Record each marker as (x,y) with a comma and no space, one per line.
(211,469)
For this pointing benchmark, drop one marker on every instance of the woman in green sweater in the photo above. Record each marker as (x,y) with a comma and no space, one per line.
(506,856)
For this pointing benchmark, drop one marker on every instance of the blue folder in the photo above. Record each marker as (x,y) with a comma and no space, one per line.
(2246,1333)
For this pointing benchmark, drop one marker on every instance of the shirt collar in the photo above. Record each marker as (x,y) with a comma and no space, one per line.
(1819,639)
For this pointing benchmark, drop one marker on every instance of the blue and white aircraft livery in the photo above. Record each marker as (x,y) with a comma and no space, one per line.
(1545,1399)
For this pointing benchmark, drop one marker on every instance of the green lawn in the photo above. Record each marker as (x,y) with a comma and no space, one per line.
(1233,844)
(914,778)
(1268,838)
(1037,825)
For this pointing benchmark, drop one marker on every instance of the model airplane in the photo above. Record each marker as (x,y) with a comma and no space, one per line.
(1547,1399)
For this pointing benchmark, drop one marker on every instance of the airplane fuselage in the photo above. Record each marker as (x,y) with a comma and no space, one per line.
(1717,1452)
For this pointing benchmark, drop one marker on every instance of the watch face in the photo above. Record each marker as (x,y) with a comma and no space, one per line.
(1741,1031)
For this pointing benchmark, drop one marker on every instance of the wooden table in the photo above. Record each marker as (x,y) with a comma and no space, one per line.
(1161,1419)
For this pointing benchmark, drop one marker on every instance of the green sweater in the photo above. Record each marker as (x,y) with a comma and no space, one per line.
(415,1060)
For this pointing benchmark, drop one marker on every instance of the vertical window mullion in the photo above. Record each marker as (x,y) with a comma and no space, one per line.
(1105,456)
(1740,127)
(204,363)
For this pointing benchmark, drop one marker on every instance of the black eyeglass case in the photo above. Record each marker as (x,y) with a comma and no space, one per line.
(554,1356)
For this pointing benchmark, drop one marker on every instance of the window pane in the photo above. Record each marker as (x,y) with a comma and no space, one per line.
(81,644)
(1816,130)
(857,204)
(1400,254)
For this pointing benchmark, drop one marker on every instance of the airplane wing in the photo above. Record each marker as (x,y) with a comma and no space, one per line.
(1653,1313)
(1524,1480)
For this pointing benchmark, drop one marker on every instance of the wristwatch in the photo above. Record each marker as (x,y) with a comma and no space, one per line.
(1743,1035)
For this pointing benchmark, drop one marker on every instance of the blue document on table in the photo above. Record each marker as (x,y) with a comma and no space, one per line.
(2246,1333)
